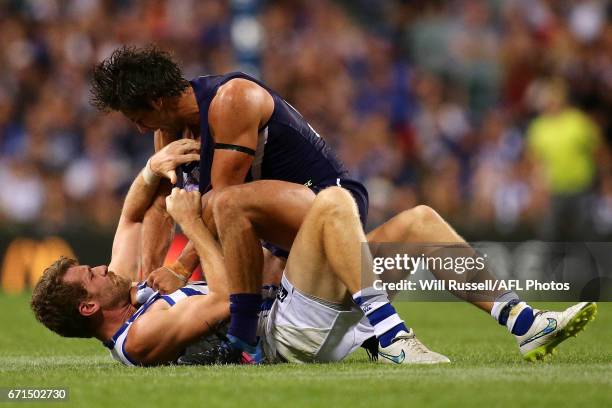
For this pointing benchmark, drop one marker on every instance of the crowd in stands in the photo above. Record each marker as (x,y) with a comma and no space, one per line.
(495,113)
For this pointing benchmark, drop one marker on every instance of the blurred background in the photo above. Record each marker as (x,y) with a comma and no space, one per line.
(495,113)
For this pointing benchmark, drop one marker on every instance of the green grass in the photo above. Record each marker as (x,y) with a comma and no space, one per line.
(486,369)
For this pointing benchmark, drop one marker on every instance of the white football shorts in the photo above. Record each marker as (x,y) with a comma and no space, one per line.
(302,329)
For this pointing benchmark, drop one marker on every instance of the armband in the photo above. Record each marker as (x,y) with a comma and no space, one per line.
(236,148)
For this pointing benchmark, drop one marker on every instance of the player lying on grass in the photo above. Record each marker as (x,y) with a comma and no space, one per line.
(255,209)
(313,318)
(79,301)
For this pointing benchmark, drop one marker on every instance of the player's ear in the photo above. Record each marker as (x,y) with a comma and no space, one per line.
(157,104)
(88,307)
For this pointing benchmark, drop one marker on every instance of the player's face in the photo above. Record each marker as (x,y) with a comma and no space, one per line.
(145,121)
(102,285)
(152,119)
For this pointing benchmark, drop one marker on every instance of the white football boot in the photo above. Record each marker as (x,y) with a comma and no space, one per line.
(407,349)
(551,328)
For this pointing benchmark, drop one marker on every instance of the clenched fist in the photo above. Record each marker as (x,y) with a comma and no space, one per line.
(165,280)
(184,207)
(165,162)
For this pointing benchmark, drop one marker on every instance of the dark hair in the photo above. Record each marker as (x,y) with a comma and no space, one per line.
(132,77)
(56,303)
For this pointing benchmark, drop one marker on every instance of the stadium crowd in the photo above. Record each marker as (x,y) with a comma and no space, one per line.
(495,113)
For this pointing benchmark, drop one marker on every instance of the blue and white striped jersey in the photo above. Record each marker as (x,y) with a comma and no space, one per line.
(148,296)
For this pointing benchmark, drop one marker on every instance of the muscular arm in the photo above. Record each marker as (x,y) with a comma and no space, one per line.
(236,114)
(125,254)
(160,336)
(186,209)
(157,231)
(157,226)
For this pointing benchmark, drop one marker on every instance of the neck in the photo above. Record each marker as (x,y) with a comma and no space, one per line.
(113,319)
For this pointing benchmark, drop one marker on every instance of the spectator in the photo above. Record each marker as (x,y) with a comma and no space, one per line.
(426,102)
(564,142)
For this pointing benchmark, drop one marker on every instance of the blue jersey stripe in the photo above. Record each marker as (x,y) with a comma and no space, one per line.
(111,343)
(126,354)
(190,291)
(169,300)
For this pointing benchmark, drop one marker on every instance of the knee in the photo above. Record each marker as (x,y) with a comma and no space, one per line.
(419,217)
(335,201)
(226,205)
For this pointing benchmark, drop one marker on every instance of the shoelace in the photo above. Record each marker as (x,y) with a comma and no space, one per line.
(371,348)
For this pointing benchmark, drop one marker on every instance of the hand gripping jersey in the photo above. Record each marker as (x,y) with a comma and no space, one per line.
(147,297)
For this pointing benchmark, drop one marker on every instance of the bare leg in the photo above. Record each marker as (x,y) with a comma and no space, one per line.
(240,224)
(244,214)
(260,210)
(326,257)
(330,261)
(423,225)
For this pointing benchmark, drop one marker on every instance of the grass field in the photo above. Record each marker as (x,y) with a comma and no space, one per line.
(486,369)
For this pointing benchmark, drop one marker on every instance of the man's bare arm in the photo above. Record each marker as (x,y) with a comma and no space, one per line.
(157,226)
(159,336)
(157,231)
(235,116)
(125,254)
(186,209)
(169,278)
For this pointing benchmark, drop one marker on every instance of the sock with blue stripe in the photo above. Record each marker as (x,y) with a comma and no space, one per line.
(509,311)
(381,314)
(244,313)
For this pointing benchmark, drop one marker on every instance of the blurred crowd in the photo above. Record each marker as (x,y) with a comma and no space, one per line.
(495,113)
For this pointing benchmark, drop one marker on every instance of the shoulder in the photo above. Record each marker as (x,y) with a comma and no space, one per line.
(239,88)
(240,98)
(144,335)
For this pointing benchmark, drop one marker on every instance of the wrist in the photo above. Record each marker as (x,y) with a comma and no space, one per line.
(191,227)
(179,269)
(149,176)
